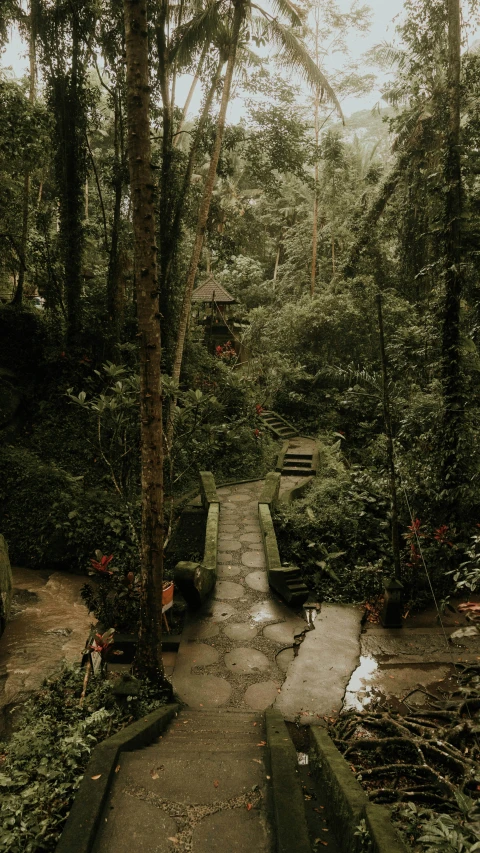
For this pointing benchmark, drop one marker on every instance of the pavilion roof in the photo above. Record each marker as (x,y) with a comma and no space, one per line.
(209,288)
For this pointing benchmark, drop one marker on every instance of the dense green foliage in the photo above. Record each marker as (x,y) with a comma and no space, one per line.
(372,199)
(306,221)
(43,762)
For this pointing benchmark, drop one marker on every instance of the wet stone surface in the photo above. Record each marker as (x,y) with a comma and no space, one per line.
(49,624)
(231,623)
(246,661)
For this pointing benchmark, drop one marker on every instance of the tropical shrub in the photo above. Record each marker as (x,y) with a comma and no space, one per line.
(338,533)
(64,520)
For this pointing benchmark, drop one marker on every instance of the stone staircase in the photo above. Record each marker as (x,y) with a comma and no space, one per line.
(202,785)
(278,425)
(298,464)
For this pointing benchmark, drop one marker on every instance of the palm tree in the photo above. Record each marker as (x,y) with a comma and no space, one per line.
(292,51)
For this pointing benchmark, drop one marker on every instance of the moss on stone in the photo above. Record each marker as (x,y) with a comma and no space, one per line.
(6,584)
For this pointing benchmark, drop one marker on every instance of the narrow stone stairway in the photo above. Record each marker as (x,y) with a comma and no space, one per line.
(298,465)
(215,781)
(298,458)
(201,787)
(278,425)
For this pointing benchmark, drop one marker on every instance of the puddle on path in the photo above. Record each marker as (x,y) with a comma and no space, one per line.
(376,683)
(360,690)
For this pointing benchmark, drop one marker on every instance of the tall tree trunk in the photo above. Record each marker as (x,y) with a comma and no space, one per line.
(186,106)
(71,200)
(182,197)
(390,449)
(333,226)
(315,178)
(205,205)
(451,361)
(166,188)
(18,297)
(114,287)
(149,655)
(277,262)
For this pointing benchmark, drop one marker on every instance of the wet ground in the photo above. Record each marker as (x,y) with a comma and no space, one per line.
(49,624)
(228,651)
(408,666)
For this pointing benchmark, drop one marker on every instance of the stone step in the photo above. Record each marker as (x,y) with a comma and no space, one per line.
(298,472)
(292,455)
(212,737)
(215,721)
(198,734)
(191,748)
(298,463)
(217,714)
(278,424)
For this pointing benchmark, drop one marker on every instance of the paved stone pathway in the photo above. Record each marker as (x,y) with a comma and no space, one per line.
(229,654)
(201,788)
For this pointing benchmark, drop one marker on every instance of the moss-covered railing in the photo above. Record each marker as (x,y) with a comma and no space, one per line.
(196,580)
(286,580)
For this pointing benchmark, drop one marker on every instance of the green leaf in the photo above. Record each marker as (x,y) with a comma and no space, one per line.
(332,574)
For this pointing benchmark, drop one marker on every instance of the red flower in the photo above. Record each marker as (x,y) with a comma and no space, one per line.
(102,565)
(415,526)
(102,642)
(259,409)
(440,535)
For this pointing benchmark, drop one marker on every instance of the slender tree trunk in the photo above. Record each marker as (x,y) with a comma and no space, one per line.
(390,451)
(180,206)
(149,656)
(164,77)
(451,360)
(315,179)
(72,159)
(18,297)
(314,233)
(178,23)
(333,226)
(277,262)
(114,289)
(195,80)
(205,204)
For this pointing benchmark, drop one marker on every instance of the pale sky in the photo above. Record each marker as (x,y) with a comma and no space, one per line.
(384,13)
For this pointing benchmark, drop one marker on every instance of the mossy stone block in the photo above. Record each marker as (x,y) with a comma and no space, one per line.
(208,489)
(6,584)
(211,538)
(271,488)
(383,835)
(346,798)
